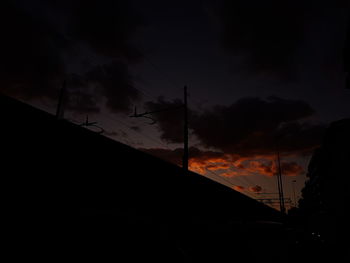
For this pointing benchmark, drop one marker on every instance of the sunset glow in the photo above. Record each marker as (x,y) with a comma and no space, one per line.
(231,167)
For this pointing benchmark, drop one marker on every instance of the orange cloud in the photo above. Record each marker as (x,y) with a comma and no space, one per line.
(267,166)
(261,165)
(291,169)
(255,189)
(201,165)
(229,165)
(238,188)
(232,173)
(218,167)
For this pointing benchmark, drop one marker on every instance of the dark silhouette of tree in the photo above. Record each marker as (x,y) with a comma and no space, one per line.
(324,196)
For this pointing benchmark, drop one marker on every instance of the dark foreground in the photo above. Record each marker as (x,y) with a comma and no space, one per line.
(70,194)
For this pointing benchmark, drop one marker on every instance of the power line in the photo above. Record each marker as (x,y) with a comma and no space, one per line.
(165,76)
(147,94)
(220,178)
(135,131)
(217,176)
(230,183)
(248,181)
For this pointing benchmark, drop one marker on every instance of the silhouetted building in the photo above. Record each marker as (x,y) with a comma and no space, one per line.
(70,190)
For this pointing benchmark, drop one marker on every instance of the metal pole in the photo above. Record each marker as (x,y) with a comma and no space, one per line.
(283,209)
(279,189)
(185,156)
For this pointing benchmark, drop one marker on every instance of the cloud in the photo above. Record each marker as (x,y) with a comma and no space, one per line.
(234,173)
(227,165)
(238,188)
(203,164)
(221,166)
(106,26)
(255,189)
(245,135)
(268,32)
(199,160)
(266,165)
(110,83)
(31,53)
(251,126)
(169,121)
(291,169)
(45,43)
(277,38)
(135,128)
(114,81)
(82,96)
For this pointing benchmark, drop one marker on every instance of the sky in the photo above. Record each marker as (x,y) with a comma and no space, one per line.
(263,77)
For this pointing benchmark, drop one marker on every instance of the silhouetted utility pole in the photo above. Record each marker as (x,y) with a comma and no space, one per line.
(185,107)
(61,102)
(280,184)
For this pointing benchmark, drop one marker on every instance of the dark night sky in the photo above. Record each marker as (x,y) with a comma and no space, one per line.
(256,71)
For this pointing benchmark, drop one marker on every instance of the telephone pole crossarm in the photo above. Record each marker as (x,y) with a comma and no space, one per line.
(185,108)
